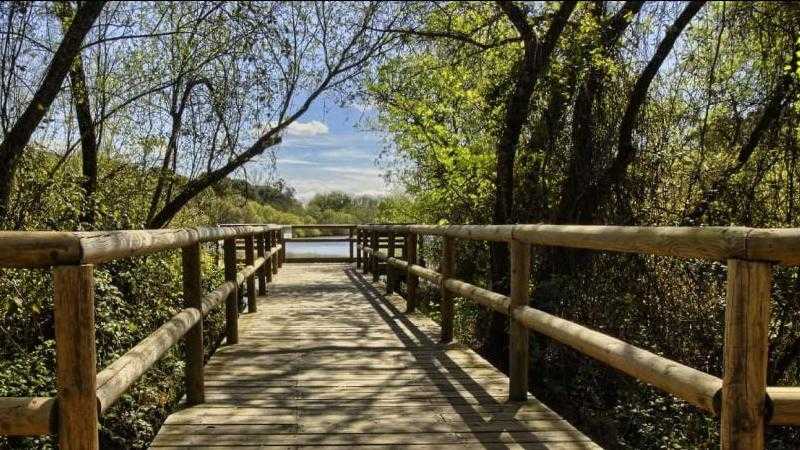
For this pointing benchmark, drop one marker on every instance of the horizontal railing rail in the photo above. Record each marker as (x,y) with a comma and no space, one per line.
(349,240)
(83,394)
(741,398)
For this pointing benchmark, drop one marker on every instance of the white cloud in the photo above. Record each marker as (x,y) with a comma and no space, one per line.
(354,171)
(325,179)
(305,129)
(295,162)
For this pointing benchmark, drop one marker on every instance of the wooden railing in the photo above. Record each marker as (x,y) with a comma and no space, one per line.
(349,240)
(740,398)
(83,394)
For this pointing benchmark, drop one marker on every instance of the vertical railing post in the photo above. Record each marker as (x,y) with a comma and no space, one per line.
(242,288)
(421,251)
(446,269)
(268,263)
(282,253)
(276,255)
(374,266)
(412,281)
(745,355)
(76,359)
(367,263)
(400,253)
(249,260)
(519,339)
(232,302)
(390,272)
(358,248)
(262,271)
(192,298)
(350,243)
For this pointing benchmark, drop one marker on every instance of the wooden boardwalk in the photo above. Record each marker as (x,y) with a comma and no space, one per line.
(329,361)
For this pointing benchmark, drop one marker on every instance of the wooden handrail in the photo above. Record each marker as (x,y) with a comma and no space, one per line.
(692,385)
(320,239)
(741,398)
(320,226)
(52,248)
(785,405)
(73,413)
(27,416)
(349,239)
(776,245)
(117,378)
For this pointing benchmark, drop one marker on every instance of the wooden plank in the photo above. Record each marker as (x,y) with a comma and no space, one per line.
(746,355)
(76,360)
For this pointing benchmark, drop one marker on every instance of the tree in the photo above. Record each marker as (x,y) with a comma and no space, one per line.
(86,126)
(17,138)
(304,59)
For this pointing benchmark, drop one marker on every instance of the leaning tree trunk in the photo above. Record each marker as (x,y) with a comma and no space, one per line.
(198,185)
(86,126)
(13,146)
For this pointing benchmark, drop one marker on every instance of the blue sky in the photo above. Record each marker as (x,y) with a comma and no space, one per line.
(330,149)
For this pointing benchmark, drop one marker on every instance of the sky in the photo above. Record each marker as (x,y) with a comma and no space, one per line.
(328,149)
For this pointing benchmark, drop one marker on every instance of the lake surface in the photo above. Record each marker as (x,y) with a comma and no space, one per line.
(318,249)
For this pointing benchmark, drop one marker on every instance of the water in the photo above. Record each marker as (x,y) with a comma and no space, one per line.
(318,249)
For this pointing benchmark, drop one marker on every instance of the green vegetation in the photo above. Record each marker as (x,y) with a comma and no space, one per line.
(714,142)
(626,113)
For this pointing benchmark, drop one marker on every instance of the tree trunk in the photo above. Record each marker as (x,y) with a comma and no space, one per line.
(86,126)
(581,171)
(13,146)
(89,142)
(586,115)
(626,151)
(535,59)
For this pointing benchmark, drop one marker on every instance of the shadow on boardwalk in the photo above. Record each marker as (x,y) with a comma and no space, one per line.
(330,361)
